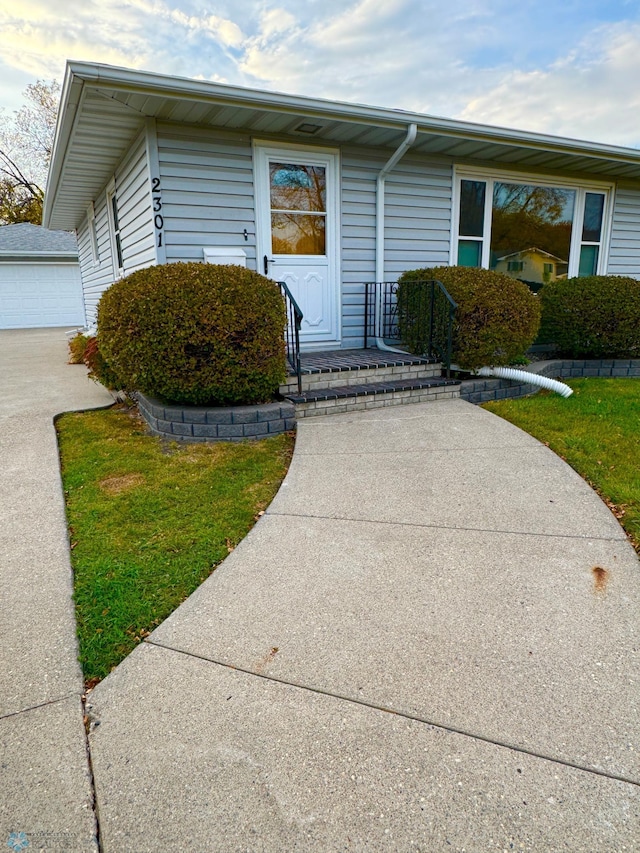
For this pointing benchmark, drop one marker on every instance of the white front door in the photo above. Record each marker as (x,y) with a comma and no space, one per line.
(297,219)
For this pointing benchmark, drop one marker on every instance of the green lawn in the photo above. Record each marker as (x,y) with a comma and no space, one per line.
(148,522)
(597,431)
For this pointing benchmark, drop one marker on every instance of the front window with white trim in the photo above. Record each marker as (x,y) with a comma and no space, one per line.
(114,227)
(531,228)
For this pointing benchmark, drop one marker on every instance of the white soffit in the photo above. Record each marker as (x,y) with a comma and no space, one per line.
(104,108)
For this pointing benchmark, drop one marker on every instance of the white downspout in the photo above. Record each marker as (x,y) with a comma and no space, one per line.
(412,132)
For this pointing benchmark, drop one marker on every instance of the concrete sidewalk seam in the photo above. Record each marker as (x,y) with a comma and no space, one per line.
(42,705)
(92,779)
(383,709)
(420,452)
(333,518)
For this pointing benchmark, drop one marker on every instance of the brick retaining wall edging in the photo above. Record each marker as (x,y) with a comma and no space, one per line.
(483,390)
(203,423)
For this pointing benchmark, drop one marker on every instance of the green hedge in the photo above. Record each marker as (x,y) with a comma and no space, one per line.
(593,317)
(496,321)
(195,333)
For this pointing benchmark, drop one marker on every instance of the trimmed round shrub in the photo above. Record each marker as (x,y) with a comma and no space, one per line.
(195,333)
(593,317)
(495,323)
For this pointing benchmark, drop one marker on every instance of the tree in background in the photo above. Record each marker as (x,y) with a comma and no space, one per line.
(526,217)
(26,142)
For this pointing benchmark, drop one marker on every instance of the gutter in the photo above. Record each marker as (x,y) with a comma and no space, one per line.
(39,257)
(412,132)
(152,83)
(70,100)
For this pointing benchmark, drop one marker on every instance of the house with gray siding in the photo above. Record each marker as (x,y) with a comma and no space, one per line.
(151,169)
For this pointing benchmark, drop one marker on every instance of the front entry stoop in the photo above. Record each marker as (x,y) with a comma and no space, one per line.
(352,380)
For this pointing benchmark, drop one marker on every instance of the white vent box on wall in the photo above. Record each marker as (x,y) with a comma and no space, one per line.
(218,255)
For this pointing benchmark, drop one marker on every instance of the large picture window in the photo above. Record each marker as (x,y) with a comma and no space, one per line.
(532,230)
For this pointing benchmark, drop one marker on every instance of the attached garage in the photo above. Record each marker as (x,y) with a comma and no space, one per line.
(39,278)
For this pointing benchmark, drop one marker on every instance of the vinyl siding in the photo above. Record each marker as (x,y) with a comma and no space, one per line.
(417,224)
(95,277)
(136,228)
(208,200)
(624,252)
(207,191)
(133,194)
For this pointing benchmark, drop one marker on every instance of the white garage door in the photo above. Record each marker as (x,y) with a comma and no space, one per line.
(36,295)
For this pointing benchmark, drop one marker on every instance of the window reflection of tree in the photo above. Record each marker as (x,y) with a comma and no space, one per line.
(298,234)
(296,189)
(531,216)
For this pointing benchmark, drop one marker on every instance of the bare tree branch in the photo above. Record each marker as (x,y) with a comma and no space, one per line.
(26,143)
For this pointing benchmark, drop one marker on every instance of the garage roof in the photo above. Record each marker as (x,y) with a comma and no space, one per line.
(33,241)
(103,108)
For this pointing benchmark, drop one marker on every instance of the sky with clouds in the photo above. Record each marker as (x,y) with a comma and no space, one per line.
(570,68)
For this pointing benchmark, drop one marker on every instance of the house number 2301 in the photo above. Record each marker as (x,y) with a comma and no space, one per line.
(158,219)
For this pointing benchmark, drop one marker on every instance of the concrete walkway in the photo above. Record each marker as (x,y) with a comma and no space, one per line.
(45,789)
(429,642)
(411,651)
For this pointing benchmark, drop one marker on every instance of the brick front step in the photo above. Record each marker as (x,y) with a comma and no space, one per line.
(358,367)
(374,395)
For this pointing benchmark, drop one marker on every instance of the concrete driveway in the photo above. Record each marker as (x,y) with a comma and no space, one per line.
(45,789)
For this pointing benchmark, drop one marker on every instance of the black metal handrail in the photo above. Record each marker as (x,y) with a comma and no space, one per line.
(292,331)
(422,321)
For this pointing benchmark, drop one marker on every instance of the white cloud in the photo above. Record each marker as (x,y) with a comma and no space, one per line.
(222,29)
(458,58)
(37,37)
(592,93)
(359,25)
(275,21)
(360,50)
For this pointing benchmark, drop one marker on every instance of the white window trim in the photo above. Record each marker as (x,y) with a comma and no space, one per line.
(93,234)
(263,149)
(489,175)
(111,194)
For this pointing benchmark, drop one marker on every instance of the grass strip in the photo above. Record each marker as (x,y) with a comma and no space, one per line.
(597,431)
(149,521)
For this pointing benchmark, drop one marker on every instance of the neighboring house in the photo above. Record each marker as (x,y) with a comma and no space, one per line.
(327,196)
(39,278)
(532,265)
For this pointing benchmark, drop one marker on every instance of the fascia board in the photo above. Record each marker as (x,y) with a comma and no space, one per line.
(80,74)
(58,257)
(149,83)
(70,102)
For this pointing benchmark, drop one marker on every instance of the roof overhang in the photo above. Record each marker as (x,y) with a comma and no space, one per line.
(37,258)
(103,108)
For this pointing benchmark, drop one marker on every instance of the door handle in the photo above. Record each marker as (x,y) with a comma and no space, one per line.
(266,262)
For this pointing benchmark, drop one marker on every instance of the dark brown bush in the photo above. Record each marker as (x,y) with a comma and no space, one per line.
(496,321)
(593,317)
(195,333)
